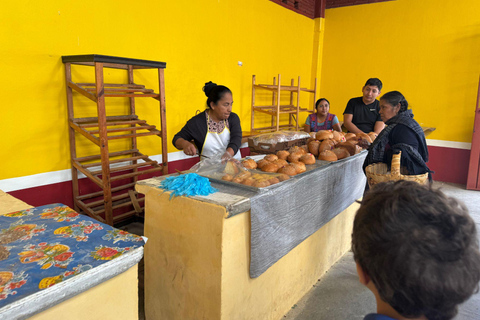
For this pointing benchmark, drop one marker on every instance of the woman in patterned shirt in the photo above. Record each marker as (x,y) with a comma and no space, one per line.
(215,131)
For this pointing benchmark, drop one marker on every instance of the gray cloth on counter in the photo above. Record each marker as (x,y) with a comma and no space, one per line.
(283,217)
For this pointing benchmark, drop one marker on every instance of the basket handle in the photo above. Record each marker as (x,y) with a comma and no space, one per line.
(395,167)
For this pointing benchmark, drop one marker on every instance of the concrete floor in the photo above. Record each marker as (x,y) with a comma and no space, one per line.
(339,295)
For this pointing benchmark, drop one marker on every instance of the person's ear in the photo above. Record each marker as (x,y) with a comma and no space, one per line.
(362,275)
(211,105)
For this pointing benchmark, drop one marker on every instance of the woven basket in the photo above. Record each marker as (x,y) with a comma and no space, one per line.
(378,172)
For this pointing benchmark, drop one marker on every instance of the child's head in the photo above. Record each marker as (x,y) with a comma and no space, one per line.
(418,247)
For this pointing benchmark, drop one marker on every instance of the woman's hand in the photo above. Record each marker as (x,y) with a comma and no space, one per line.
(188,148)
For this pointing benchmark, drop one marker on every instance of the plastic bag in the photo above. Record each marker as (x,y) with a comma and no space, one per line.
(279,136)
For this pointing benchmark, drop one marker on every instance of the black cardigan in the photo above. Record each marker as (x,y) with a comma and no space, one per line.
(196,130)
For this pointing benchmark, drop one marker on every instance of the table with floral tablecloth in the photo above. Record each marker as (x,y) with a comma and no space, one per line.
(44,246)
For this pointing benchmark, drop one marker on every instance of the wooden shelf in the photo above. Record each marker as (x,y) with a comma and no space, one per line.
(122,167)
(276,109)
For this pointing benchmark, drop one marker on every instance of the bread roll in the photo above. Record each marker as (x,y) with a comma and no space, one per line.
(249,181)
(297,149)
(326,145)
(293,157)
(270,157)
(244,174)
(299,167)
(261,163)
(273,180)
(324,134)
(289,170)
(313,147)
(350,135)
(327,155)
(304,148)
(238,179)
(227,177)
(372,135)
(313,134)
(351,147)
(231,168)
(249,164)
(337,136)
(283,176)
(307,158)
(280,163)
(341,153)
(271,167)
(261,183)
(283,154)
(364,136)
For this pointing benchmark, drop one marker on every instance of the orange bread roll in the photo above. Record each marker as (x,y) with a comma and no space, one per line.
(337,136)
(293,157)
(341,153)
(261,163)
(299,167)
(313,147)
(351,147)
(350,135)
(270,157)
(227,177)
(307,158)
(273,180)
(261,183)
(297,149)
(280,163)
(324,134)
(283,154)
(283,176)
(326,145)
(364,136)
(372,135)
(289,170)
(271,167)
(249,181)
(249,164)
(327,155)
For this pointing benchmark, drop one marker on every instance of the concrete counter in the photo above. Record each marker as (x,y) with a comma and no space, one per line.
(198,256)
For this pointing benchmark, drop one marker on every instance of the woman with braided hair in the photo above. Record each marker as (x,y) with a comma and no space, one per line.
(402,133)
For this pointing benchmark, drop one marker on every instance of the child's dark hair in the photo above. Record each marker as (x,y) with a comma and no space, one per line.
(419,248)
(320,100)
(374,82)
(394,98)
(214,92)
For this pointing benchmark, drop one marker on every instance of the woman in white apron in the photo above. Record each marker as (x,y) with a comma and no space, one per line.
(214,132)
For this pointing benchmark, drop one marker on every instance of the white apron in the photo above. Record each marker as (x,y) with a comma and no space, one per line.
(217,143)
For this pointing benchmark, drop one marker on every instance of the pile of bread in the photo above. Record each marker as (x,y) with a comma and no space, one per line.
(333,145)
(289,162)
(237,173)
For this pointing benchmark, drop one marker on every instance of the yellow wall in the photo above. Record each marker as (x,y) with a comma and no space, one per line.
(428,50)
(199,40)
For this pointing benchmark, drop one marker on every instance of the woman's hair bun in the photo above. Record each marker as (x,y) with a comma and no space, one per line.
(209,87)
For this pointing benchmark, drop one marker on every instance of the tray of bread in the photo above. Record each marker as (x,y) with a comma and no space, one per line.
(260,171)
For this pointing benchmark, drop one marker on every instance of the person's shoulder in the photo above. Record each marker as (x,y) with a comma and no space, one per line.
(376,316)
(356,99)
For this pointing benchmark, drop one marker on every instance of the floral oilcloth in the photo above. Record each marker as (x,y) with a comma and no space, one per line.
(43,246)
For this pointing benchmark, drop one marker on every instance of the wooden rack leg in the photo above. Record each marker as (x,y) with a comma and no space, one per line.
(298,104)
(252,120)
(290,116)
(278,102)
(163,119)
(71,135)
(274,102)
(132,112)
(102,120)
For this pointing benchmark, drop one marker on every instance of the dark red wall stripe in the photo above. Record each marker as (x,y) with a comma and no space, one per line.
(316,8)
